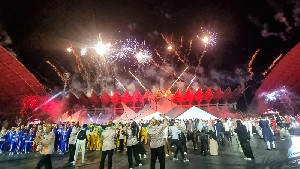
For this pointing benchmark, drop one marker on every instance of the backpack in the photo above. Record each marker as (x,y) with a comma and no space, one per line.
(81,135)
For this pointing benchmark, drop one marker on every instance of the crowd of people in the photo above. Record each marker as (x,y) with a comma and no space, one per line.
(166,138)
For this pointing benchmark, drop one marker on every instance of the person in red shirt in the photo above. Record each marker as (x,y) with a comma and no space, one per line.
(274,125)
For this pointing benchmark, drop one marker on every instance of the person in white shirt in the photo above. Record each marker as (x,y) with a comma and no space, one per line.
(108,137)
(47,150)
(227,128)
(157,143)
(72,140)
(175,139)
(80,142)
(131,142)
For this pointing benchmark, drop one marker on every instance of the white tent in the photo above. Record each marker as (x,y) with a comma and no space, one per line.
(195,112)
(128,113)
(156,115)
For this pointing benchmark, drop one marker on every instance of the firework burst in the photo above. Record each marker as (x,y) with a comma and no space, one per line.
(209,38)
(132,51)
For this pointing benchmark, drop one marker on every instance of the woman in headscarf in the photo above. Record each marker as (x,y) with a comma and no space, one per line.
(244,138)
(131,141)
(268,134)
(213,144)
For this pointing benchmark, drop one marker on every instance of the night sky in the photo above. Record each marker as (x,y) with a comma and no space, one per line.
(41,30)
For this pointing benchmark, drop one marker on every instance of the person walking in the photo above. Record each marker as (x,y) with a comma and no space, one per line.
(219,129)
(80,142)
(213,144)
(108,137)
(47,150)
(244,138)
(227,127)
(72,141)
(268,135)
(191,128)
(175,139)
(157,142)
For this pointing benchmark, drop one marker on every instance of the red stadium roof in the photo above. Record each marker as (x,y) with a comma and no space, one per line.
(16,82)
(285,73)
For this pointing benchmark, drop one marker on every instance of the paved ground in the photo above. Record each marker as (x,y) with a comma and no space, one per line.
(287,155)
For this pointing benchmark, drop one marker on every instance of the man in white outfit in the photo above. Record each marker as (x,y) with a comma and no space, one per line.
(72,142)
(249,126)
(80,143)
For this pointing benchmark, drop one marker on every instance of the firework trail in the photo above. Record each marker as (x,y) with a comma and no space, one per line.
(175,51)
(178,78)
(200,60)
(209,40)
(272,65)
(80,66)
(59,64)
(95,63)
(138,80)
(56,70)
(162,68)
(190,47)
(181,41)
(251,62)
(192,81)
(120,84)
(157,53)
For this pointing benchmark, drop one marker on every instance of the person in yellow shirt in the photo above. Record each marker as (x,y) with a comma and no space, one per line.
(144,134)
(94,139)
(88,135)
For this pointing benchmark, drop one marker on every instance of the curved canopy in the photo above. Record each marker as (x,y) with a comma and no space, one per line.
(16,82)
(195,112)
(285,73)
(156,115)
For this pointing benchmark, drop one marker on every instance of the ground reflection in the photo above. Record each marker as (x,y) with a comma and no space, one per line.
(294,150)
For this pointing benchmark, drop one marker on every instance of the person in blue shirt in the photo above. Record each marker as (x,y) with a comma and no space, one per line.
(219,128)
(29,141)
(3,137)
(13,137)
(7,141)
(26,131)
(21,137)
(64,140)
(268,134)
(59,133)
